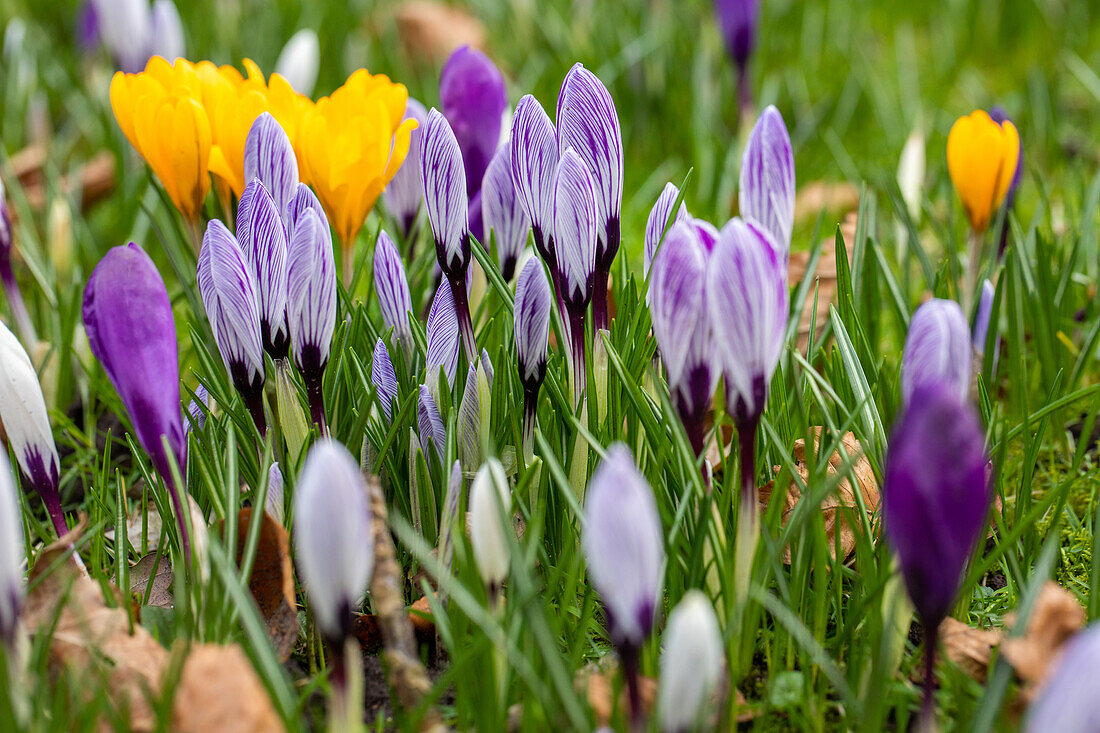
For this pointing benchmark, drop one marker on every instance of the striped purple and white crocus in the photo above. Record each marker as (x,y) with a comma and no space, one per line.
(442,336)
(534,151)
(767,188)
(392,286)
(384,379)
(405,192)
(504,213)
(262,238)
(937,348)
(532,332)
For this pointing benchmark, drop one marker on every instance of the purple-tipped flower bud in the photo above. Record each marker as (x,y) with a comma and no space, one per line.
(767,187)
(487,366)
(983,317)
(11,555)
(655,227)
(624,546)
(26,424)
(472,94)
(394,299)
(445,195)
(384,379)
(195,419)
(504,213)
(747,295)
(575,229)
(311,292)
(430,424)
(737,19)
(691,663)
(333,540)
(1067,700)
(405,192)
(269,156)
(532,323)
(534,153)
(937,349)
(262,239)
(936,495)
(998,115)
(442,335)
(490,512)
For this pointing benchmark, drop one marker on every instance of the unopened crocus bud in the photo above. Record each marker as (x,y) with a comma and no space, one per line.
(532,332)
(473,416)
(384,379)
(911,173)
(534,151)
(195,419)
(300,60)
(490,520)
(486,365)
(430,424)
(937,348)
(473,97)
(1067,699)
(262,239)
(589,123)
(269,156)
(228,289)
(738,21)
(405,192)
(333,540)
(274,503)
(26,424)
(681,324)
(982,157)
(691,663)
(982,321)
(11,555)
(442,338)
(167,31)
(767,187)
(504,213)
(448,521)
(658,224)
(392,286)
(133,32)
(131,331)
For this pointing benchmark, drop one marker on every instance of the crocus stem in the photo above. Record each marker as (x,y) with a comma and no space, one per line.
(695,427)
(346,680)
(576,333)
(599,299)
(316,396)
(530,417)
(254,401)
(973,268)
(348,265)
(465,324)
(180,508)
(18,307)
(748,524)
(52,501)
(927,722)
(630,656)
(744,93)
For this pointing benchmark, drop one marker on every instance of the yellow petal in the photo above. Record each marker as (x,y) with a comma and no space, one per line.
(981,158)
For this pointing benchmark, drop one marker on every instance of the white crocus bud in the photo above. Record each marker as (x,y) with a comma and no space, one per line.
(691,663)
(300,60)
(490,507)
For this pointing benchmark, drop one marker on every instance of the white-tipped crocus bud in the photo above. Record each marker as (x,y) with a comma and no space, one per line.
(392,286)
(384,379)
(333,540)
(490,512)
(405,192)
(445,195)
(624,546)
(300,60)
(575,229)
(691,663)
(532,323)
(11,554)
(261,236)
(26,423)
(767,187)
(442,336)
(658,223)
(747,300)
(937,348)
(503,212)
(311,285)
(534,154)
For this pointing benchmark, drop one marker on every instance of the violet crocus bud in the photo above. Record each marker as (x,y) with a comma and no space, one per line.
(490,513)
(269,156)
(681,324)
(534,151)
(937,348)
(442,337)
(87,27)
(405,192)
(504,213)
(262,239)
(447,204)
(532,332)
(589,123)
(300,60)
(274,502)
(384,379)
(1067,699)
(767,188)
(658,224)
(11,555)
(738,21)
(982,320)
(691,663)
(392,286)
(333,540)
(26,424)
(131,331)
(472,94)
(228,289)
(936,497)
(430,424)
(195,419)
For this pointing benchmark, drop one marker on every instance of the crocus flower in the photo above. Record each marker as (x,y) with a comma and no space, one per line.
(534,151)
(681,325)
(490,513)
(195,419)
(392,286)
(133,32)
(228,289)
(87,27)
(430,424)
(273,505)
(589,123)
(575,250)
(269,156)
(128,319)
(384,379)
(624,546)
(691,663)
(262,239)
(445,196)
(27,425)
(333,540)
(1067,699)
(406,191)
(767,188)
(936,496)
(442,336)
(999,116)
(472,94)
(532,332)
(7,275)
(937,348)
(982,320)
(504,214)
(473,413)
(981,158)
(11,555)
(300,60)
(658,224)
(738,20)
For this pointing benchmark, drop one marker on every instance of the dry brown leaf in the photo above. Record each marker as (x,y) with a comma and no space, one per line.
(818,196)
(825,274)
(970,648)
(432,30)
(1055,618)
(153,526)
(367,630)
(272,581)
(219,691)
(92,181)
(842,501)
(160,571)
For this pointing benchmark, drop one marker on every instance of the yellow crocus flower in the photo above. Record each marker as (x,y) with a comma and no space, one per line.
(981,158)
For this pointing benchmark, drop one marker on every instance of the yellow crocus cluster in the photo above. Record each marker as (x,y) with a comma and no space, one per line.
(981,158)
(189,120)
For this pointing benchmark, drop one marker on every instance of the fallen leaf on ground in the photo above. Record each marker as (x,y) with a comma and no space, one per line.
(432,30)
(818,196)
(968,647)
(825,275)
(219,691)
(1055,617)
(91,181)
(160,571)
(841,501)
(136,524)
(368,631)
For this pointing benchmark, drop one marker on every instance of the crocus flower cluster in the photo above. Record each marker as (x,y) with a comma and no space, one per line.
(133,32)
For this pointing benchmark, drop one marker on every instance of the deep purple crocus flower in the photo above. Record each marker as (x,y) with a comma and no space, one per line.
(131,331)
(87,27)
(473,98)
(504,213)
(937,348)
(738,21)
(1067,700)
(405,192)
(767,186)
(936,497)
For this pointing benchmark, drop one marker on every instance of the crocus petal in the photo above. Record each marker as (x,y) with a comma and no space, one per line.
(999,116)
(300,60)
(333,540)
(575,228)
(937,348)
(981,158)
(406,190)
(490,509)
(311,292)
(737,19)
(445,194)
(624,546)
(691,663)
(767,187)
(472,95)
(126,27)
(535,165)
(274,503)
(532,322)
(195,419)
(442,336)
(982,318)
(1067,699)
(11,554)
(262,239)
(655,227)
(430,424)
(269,156)
(392,286)
(167,31)
(503,212)
(469,414)
(384,379)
